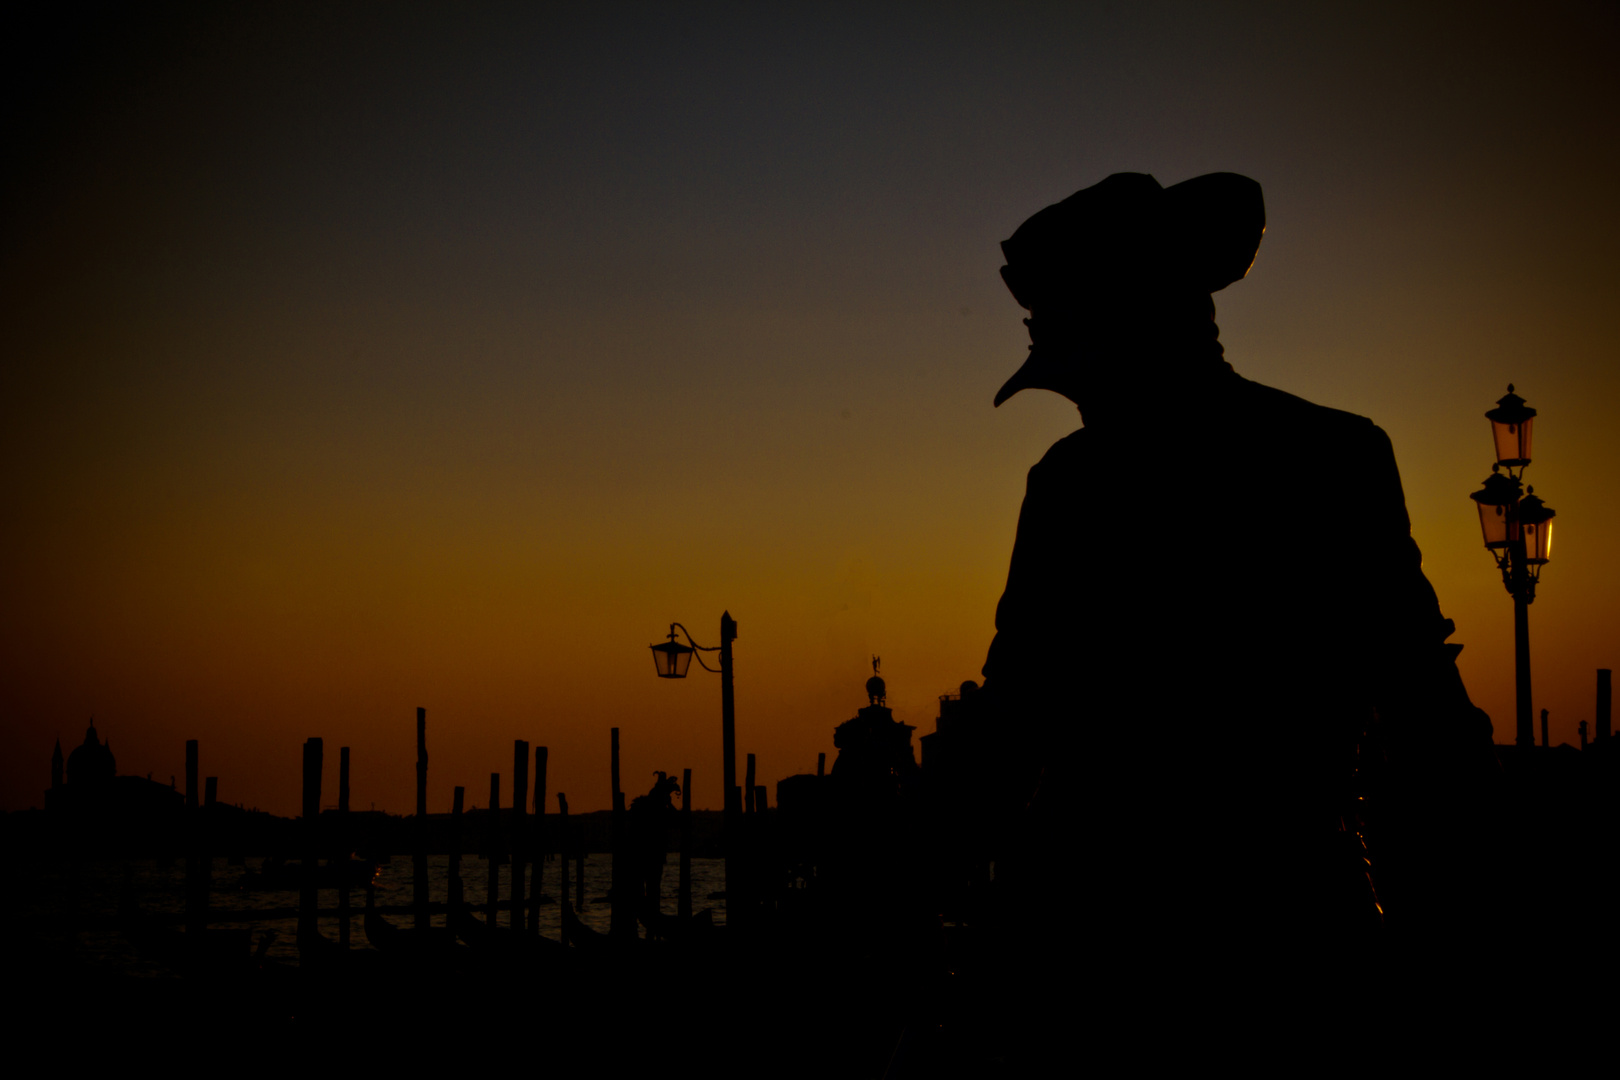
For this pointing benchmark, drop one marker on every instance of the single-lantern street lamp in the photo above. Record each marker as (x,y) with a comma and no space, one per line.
(672,659)
(1517,527)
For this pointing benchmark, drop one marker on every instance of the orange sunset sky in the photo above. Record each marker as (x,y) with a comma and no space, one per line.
(365,358)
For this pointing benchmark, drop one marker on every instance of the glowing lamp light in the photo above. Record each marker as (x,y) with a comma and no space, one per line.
(672,658)
(1518,534)
(1535,523)
(1496,501)
(1511,422)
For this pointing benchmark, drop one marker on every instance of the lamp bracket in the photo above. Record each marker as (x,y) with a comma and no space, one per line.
(700,648)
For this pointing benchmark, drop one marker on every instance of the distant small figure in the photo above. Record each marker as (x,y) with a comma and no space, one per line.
(651,816)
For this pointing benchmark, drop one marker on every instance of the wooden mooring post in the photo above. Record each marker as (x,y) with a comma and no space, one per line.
(683,897)
(419,872)
(340,848)
(196,855)
(579,866)
(1603,724)
(622,917)
(492,849)
(759,889)
(538,847)
(308,915)
(562,844)
(456,804)
(730,794)
(234,843)
(210,825)
(520,831)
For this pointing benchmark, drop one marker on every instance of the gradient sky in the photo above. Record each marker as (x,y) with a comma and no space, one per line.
(440,355)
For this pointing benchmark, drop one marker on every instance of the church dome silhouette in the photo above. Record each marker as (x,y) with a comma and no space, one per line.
(92,762)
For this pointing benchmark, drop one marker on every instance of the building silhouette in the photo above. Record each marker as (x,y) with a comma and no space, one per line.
(92,807)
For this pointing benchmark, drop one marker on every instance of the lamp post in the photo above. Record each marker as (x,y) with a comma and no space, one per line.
(672,660)
(1518,533)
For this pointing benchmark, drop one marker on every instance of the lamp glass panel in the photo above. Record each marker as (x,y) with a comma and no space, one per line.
(1512,441)
(1538,541)
(671,660)
(1493,522)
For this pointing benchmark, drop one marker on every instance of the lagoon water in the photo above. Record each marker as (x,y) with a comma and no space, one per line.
(85,895)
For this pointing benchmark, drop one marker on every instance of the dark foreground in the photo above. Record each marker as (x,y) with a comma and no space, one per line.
(773,1003)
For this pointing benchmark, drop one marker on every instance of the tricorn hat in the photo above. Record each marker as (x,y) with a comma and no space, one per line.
(1201,233)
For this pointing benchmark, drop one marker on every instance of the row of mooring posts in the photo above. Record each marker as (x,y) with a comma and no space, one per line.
(524,910)
(527,843)
(199,840)
(1602,713)
(310,836)
(517,849)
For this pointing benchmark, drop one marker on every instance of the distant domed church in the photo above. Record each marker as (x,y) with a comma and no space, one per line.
(92,763)
(87,789)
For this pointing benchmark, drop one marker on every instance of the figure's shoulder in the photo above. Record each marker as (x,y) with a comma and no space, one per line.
(1294,411)
(1073,446)
(1072,449)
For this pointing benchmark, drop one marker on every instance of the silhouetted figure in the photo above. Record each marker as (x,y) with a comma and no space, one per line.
(651,817)
(1214,599)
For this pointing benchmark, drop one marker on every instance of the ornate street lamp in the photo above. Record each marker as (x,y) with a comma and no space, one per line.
(1518,534)
(672,659)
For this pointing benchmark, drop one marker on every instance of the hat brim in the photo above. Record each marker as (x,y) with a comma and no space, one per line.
(1203,233)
